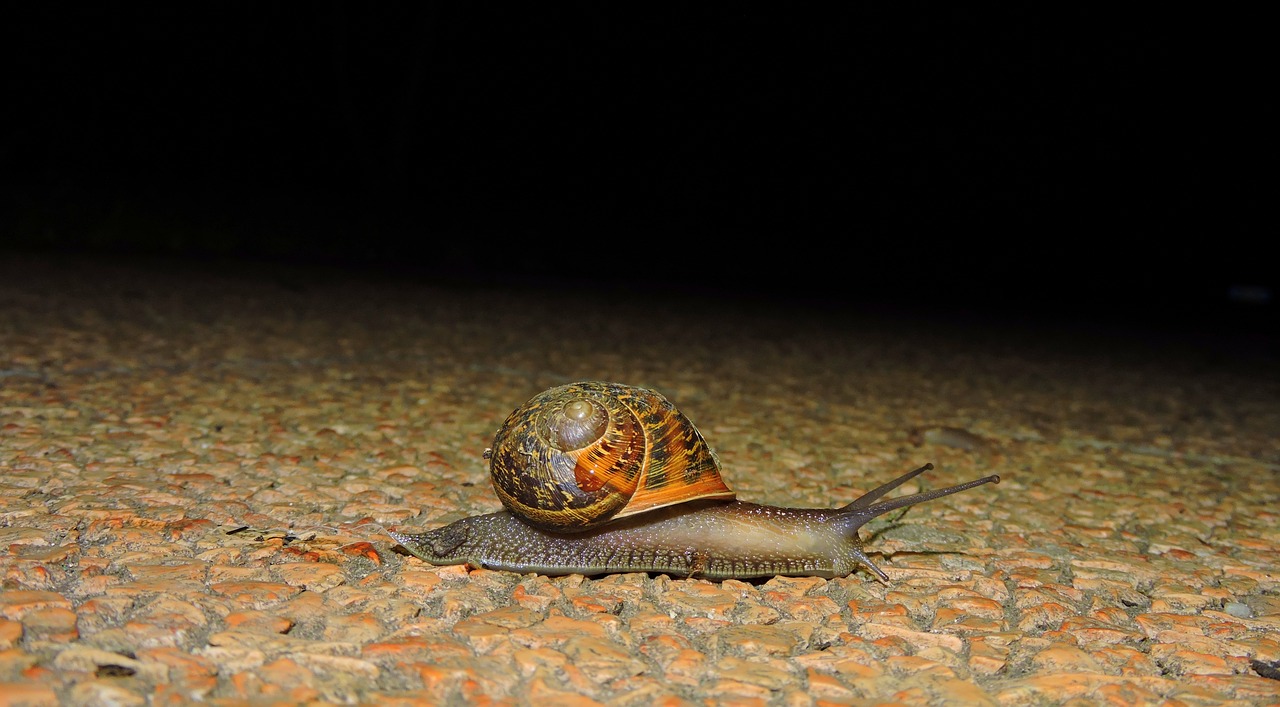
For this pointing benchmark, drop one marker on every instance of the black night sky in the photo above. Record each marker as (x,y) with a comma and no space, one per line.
(1066,158)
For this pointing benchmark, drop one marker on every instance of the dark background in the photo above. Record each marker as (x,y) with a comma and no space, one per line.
(1087,163)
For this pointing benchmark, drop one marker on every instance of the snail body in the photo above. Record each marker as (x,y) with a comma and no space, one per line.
(605,469)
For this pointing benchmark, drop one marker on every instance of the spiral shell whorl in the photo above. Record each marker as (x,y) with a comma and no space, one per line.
(579,455)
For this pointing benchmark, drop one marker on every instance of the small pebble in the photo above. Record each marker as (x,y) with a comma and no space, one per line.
(1238,610)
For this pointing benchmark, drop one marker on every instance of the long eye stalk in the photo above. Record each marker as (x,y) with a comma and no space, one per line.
(865,508)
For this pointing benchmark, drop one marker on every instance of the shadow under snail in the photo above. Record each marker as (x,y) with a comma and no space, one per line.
(603,478)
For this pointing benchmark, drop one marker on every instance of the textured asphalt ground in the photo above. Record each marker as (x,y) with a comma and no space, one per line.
(196,465)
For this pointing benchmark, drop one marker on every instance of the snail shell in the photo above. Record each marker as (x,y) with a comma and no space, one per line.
(580,455)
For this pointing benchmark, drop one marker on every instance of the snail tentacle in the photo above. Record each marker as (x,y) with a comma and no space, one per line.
(864,508)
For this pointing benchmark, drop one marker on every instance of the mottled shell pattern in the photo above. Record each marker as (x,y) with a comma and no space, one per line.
(579,455)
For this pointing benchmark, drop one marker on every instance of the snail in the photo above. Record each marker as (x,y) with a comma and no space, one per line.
(604,478)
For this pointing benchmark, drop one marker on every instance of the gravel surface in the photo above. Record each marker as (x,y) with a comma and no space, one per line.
(197,465)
